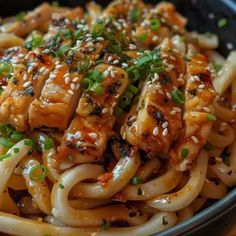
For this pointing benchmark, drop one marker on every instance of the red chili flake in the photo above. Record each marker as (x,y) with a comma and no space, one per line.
(103,179)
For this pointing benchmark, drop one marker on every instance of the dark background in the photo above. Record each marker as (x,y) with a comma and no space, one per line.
(197,11)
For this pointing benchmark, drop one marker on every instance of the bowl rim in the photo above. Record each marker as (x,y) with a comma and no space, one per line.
(204,217)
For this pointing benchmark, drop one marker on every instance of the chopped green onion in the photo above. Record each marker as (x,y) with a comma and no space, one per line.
(6,130)
(142,37)
(20,16)
(16,150)
(125,101)
(5,156)
(184,152)
(87,84)
(134,15)
(84,65)
(136,180)
(222,22)
(34,176)
(62,50)
(6,142)
(5,69)
(177,97)
(61,186)
(105,224)
(29,142)
(118,111)
(98,29)
(133,89)
(155,25)
(48,143)
(187,59)
(70,158)
(79,33)
(55,4)
(17,136)
(97,88)
(217,67)
(133,73)
(66,33)
(211,117)
(207,147)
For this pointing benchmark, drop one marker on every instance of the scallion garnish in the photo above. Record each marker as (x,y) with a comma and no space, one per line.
(6,130)
(184,152)
(16,150)
(125,101)
(29,142)
(5,69)
(155,25)
(118,111)
(17,136)
(98,29)
(134,15)
(61,186)
(217,67)
(84,64)
(177,97)
(6,142)
(133,89)
(35,40)
(211,117)
(48,143)
(105,224)
(136,180)
(70,158)
(34,175)
(222,22)
(20,16)
(207,147)
(96,88)
(142,37)
(62,51)
(66,33)
(5,156)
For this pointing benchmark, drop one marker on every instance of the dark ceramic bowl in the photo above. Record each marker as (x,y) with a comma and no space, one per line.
(203,16)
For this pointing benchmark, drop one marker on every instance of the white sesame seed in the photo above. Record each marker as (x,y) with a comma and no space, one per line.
(70,91)
(177,109)
(155,131)
(165,132)
(66,75)
(42,69)
(21,55)
(195,139)
(89,39)
(77,86)
(113,74)
(154,38)
(110,68)
(100,38)
(219,159)
(30,69)
(196,78)
(132,46)
(67,80)
(104,110)
(106,73)
(75,79)
(165,124)
(26,84)
(58,66)
(201,86)
(173,112)
(124,65)
(229,46)
(173,58)
(72,86)
(109,59)
(57,62)
(160,91)
(116,61)
(25,77)
(168,95)
(93,135)
(206,109)
(45,51)
(52,76)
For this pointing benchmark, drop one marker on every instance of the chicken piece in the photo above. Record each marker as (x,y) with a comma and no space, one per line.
(86,138)
(162,21)
(58,100)
(23,87)
(198,118)
(39,16)
(155,121)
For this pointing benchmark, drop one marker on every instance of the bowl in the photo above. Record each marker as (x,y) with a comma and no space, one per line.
(203,16)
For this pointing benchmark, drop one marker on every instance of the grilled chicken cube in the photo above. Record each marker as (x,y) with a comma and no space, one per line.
(24,86)
(58,99)
(153,124)
(88,133)
(199,95)
(161,22)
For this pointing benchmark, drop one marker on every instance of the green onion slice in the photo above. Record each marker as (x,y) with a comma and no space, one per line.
(6,142)
(5,156)
(38,168)
(211,117)
(155,25)
(184,152)
(5,69)
(178,97)
(136,180)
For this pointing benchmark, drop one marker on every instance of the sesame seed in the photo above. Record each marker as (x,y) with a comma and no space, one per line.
(72,86)
(30,69)
(116,61)
(58,66)
(67,80)
(195,139)
(42,69)
(206,109)
(21,55)
(93,135)
(196,78)
(66,75)
(25,77)
(52,76)
(219,159)
(109,59)
(45,51)
(113,74)
(229,46)
(70,91)
(100,38)
(201,86)
(75,79)
(165,132)
(132,46)
(173,58)
(77,86)
(165,125)
(89,39)
(106,73)
(155,131)
(26,84)
(168,95)
(173,112)
(57,62)
(124,65)
(154,38)
(104,110)
(177,109)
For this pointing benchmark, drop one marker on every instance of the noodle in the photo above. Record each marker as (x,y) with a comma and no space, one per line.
(113,122)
